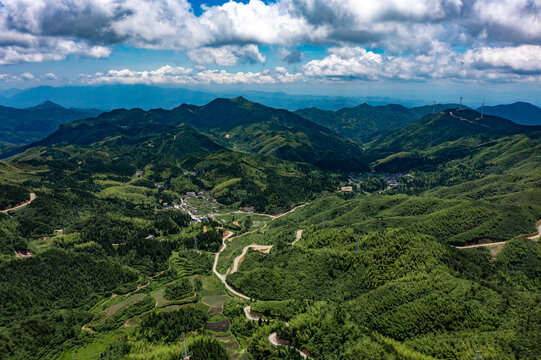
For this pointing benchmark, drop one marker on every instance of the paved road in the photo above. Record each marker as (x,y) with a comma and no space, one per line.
(250,315)
(182,202)
(32,197)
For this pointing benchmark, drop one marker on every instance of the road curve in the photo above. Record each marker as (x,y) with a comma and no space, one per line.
(298,237)
(274,340)
(250,315)
(32,198)
(228,234)
(239,258)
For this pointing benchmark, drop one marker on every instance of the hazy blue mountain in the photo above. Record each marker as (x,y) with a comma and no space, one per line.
(520,112)
(108,97)
(23,126)
(290,102)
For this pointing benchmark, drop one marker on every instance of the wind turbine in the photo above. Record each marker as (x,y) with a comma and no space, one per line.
(434,107)
(460,105)
(483,108)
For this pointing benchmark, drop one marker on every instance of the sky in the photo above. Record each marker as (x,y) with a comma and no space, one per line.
(415,49)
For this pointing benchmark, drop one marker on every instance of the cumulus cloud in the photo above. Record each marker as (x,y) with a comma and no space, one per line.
(499,37)
(181,75)
(226,55)
(520,59)
(27,76)
(491,64)
(291,56)
(49,49)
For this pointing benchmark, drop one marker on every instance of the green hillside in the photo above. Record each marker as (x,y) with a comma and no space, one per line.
(127,233)
(246,126)
(364,122)
(235,124)
(438,138)
(361,122)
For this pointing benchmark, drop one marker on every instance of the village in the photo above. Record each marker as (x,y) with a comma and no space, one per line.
(202,206)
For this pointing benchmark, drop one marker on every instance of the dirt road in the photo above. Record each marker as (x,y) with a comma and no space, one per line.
(276,341)
(481,245)
(298,237)
(227,235)
(536,236)
(32,198)
(239,258)
(466,120)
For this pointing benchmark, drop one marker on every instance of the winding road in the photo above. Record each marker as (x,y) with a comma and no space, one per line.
(536,236)
(238,259)
(298,237)
(32,198)
(228,235)
(274,340)
(466,120)
(494,244)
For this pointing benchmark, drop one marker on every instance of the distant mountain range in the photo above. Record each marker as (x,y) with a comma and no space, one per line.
(237,124)
(109,97)
(520,112)
(22,126)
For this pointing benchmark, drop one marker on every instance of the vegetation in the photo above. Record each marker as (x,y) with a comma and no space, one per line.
(102,264)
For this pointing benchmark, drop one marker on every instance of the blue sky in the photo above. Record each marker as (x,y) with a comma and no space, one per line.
(420,49)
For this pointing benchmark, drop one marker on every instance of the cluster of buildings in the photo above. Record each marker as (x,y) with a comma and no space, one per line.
(201,195)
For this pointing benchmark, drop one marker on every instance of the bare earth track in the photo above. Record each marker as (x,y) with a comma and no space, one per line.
(20,206)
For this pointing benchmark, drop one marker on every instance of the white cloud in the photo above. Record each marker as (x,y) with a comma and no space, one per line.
(180,75)
(226,55)
(291,56)
(50,76)
(485,64)
(50,50)
(520,59)
(501,38)
(27,76)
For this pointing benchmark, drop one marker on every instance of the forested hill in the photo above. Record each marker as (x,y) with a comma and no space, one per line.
(364,121)
(448,125)
(236,124)
(251,127)
(23,126)
(361,122)
(435,139)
